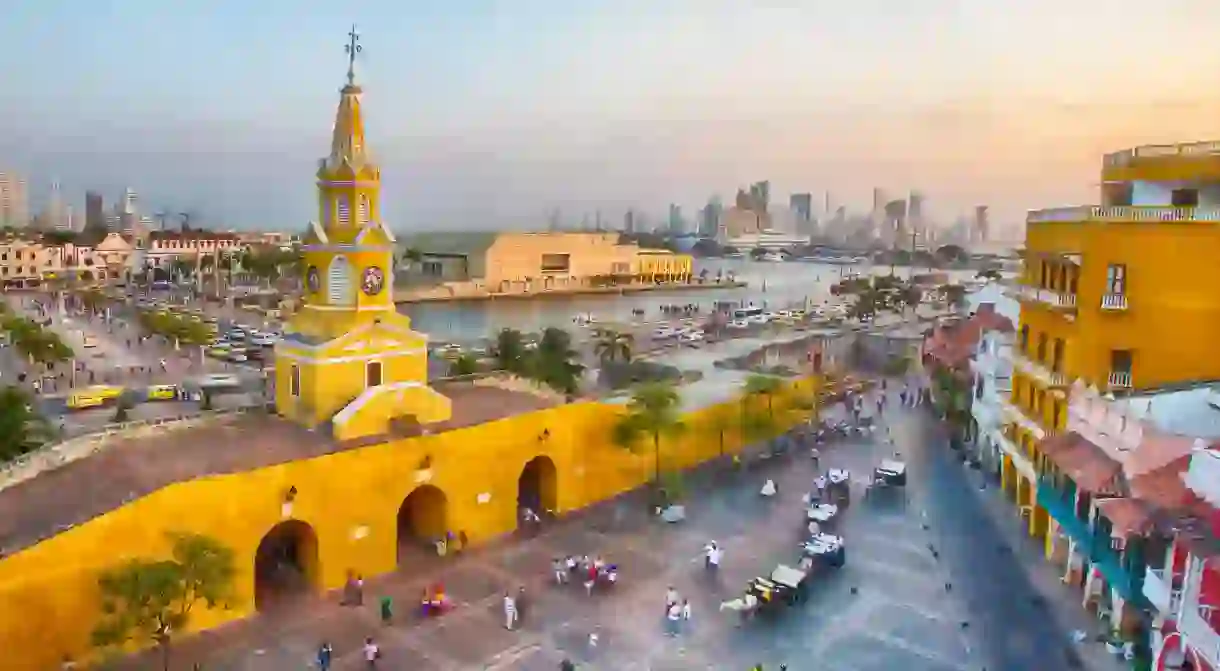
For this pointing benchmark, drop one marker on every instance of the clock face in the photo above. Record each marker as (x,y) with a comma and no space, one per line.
(373,280)
(313,281)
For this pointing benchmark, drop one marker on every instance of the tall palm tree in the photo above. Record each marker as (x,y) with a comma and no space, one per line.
(553,362)
(719,424)
(763,386)
(612,346)
(654,411)
(22,430)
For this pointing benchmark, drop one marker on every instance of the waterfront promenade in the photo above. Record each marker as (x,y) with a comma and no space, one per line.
(408,295)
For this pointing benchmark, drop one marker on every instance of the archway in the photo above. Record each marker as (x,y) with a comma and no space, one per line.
(285,563)
(537,487)
(422,520)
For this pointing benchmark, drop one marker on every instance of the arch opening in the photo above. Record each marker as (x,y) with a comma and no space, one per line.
(285,564)
(422,521)
(538,487)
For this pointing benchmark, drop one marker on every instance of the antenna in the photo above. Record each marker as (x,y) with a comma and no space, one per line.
(352,48)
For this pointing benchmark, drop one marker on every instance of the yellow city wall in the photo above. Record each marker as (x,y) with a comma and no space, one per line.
(48,594)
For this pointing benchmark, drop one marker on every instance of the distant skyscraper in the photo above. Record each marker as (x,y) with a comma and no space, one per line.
(14,208)
(629,221)
(54,219)
(801,205)
(709,220)
(760,194)
(95,211)
(676,226)
(982,225)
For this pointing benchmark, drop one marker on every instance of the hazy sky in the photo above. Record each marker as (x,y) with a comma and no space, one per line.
(488,112)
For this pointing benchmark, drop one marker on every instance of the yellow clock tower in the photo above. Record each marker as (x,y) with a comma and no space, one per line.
(348,357)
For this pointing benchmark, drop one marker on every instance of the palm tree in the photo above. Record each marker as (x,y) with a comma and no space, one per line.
(865,306)
(464,364)
(763,386)
(654,410)
(553,363)
(612,346)
(719,424)
(21,429)
(509,350)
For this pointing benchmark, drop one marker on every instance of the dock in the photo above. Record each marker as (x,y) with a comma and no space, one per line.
(402,296)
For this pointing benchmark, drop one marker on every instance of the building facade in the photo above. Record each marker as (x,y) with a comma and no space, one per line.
(1115,315)
(14,203)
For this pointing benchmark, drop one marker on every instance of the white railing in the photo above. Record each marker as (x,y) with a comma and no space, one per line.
(1014,414)
(1123,213)
(1190,149)
(1120,380)
(1019,459)
(1113,301)
(1040,372)
(1158,587)
(1199,634)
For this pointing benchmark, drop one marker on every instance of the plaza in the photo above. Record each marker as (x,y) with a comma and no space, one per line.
(889,608)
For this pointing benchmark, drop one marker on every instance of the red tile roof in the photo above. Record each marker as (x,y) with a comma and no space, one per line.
(1086,464)
(1127,516)
(953,344)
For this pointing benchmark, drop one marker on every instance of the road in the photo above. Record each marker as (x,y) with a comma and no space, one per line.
(896,605)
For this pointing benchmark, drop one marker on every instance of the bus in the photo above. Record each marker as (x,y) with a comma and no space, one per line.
(750,314)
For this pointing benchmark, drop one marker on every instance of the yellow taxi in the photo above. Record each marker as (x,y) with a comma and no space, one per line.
(93,397)
(219,351)
(164,392)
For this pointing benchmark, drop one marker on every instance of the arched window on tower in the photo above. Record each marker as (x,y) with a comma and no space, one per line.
(362,214)
(344,207)
(339,282)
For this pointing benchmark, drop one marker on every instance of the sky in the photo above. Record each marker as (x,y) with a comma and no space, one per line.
(491,113)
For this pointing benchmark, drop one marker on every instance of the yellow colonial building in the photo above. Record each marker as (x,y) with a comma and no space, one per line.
(1119,296)
(363,467)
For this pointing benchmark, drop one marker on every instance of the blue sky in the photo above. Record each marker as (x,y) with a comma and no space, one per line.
(491,113)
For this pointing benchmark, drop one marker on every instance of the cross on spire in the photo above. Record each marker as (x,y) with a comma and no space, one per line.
(352,48)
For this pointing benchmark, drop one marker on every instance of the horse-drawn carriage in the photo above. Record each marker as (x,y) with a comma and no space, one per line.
(887,475)
(825,550)
(838,486)
(786,586)
(821,515)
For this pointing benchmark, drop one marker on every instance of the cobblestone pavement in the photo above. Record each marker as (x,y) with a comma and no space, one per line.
(925,589)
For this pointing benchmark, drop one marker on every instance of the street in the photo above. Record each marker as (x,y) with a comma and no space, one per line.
(929,586)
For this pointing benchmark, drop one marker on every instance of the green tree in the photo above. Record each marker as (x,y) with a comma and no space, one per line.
(989,274)
(653,411)
(22,430)
(553,362)
(720,424)
(464,364)
(865,306)
(955,295)
(765,387)
(410,257)
(612,346)
(509,350)
(910,296)
(146,601)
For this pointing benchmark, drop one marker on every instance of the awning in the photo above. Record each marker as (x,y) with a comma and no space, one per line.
(1128,517)
(1086,464)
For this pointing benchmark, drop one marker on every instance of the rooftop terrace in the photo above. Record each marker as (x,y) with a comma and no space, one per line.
(81,490)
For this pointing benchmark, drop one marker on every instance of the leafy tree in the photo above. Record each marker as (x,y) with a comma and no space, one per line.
(951,254)
(552,362)
(654,411)
(911,296)
(955,294)
(865,306)
(146,601)
(464,364)
(989,274)
(719,424)
(22,430)
(765,387)
(411,257)
(510,351)
(758,252)
(612,346)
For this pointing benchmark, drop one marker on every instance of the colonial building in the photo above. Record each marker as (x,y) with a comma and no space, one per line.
(518,263)
(1113,360)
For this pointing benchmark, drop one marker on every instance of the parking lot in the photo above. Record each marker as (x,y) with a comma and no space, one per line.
(928,586)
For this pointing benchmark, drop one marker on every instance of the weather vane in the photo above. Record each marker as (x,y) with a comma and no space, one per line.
(353,47)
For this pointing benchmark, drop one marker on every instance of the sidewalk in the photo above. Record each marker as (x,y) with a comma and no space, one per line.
(1062,601)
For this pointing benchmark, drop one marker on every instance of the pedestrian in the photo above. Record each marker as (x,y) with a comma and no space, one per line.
(372,653)
(673,619)
(713,556)
(560,570)
(567,665)
(510,611)
(686,610)
(325,653)
(522,604)
(671,597)
(387,609)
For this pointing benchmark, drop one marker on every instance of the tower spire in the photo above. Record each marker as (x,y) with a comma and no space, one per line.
(353,47)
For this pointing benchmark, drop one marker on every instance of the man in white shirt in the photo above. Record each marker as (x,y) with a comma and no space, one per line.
(510,611)
(673,619)
(371,653)
(714,555)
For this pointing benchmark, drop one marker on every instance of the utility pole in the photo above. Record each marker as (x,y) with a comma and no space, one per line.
(914,234)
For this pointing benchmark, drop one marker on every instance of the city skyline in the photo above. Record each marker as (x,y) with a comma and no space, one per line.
(483,118)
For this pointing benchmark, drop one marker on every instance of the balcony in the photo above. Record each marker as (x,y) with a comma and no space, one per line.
(1119,214)
(1061,505)
(1196,628)
(1014,414)
(1020,460)
(1119,380)
(1159,590)
(1048,297)
(1114,302)
(1039,372)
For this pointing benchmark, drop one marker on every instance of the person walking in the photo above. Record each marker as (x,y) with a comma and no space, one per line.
(325,654)
(372,653)
(510,611)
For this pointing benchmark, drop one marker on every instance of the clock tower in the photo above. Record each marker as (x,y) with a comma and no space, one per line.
(347,345)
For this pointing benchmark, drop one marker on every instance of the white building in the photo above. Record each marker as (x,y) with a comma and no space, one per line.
(991,368)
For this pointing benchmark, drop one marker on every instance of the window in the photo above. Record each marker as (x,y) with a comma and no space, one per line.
(1057,357)
(432,268)
(1056,414)
(556,263)
(1041,347)
(1120,361)
(1116,279)
(294,381)
(1025,339)
(339,282)
(344,208)
(1042,279)
(362,215)
(1184,198)
(372,374)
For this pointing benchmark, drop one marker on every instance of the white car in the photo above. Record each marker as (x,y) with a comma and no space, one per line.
(664,332)
(739,324)
(263,340)
(219,380)
(759,319)
(691,336)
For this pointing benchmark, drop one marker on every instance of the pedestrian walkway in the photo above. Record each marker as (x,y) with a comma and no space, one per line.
(1063,601)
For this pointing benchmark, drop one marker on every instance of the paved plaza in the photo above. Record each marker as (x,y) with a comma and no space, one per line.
(929,586)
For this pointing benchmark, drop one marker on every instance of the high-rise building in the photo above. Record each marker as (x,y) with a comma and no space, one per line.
(915,214)
(629,221)
(760,195)
(801,205)
(14,207)
(676,225)
(95,211)
(709,218)
(982,226)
